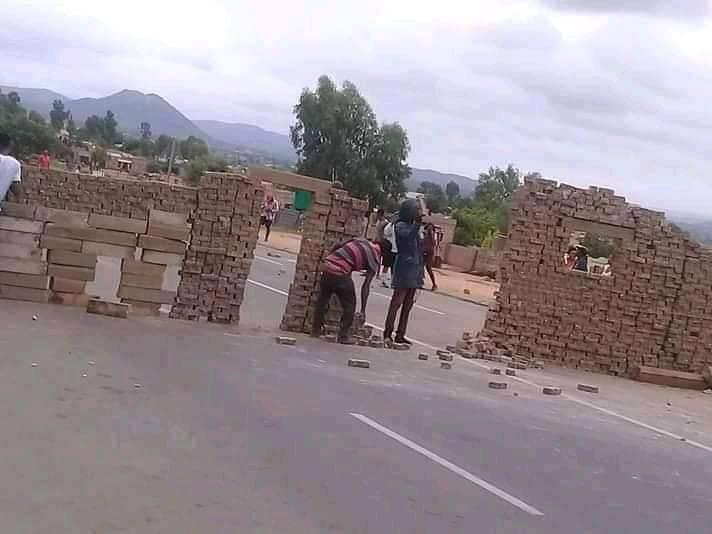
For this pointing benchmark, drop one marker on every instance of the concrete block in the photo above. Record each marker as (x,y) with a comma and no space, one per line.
(517,365)
(445,356)
(587,388)
(69,299)
(148,282)
(284,340)
(72,273)
(65,285)
(445,365)
(20,211)
(179,233)
(423,356)
(146,295)
(551,390)
(34,281)
(76,259)
(24,293)
(497,385)
(668,377)
(11,250)
(142,309)
(510,372)
(112,237)
(61,217)
(110,309)
(441,352)
(167,218)
(162,258)
(20,225)
(467,355)
(25,266)
(495,371)
(140,268)
(60,243)
(120,224)
(365,364)
(105,249)
(18,238)
(161,244)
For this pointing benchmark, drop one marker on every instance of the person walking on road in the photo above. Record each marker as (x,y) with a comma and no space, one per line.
(429,252)
(270,207)
(407,271)
(356,254)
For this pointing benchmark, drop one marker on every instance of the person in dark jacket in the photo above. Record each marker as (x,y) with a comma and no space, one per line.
(408,272)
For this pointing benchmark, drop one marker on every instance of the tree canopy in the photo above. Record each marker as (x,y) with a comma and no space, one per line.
(452,190)
(435,197)
(30,132)
(337,137)
(193,148)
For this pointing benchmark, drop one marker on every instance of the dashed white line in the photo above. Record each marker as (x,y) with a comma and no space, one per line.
(425,308)
(268,288)
(511,499)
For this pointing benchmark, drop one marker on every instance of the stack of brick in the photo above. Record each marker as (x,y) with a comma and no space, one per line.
(23,271)
(653,310)
(222,243)
(333,217)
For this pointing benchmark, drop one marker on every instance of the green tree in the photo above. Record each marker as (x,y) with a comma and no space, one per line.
(435,197)
(145,130)
(57,115)
(110,131)
(337,138)
(496,186)
(474,226)
(193,148)
(163,145)
(598,247)
(452,190)
(94,128)
(194,170)
(30,134)
(36,117)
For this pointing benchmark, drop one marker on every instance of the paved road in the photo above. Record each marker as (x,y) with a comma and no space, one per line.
(158,426)
(436,319)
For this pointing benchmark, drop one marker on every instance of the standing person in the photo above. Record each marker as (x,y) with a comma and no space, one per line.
(581,259)
(381,223)
(10,168)
(44,161)
(270,207)
(429,252)
(407,270)
(356,254)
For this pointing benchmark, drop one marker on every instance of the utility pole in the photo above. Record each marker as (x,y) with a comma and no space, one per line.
(172,155)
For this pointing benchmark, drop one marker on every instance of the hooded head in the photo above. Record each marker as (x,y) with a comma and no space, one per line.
(408,211)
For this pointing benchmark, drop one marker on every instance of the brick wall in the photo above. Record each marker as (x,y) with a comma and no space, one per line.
(333,217)
(655,309)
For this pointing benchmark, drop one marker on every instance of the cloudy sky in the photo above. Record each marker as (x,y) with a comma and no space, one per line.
(608,92)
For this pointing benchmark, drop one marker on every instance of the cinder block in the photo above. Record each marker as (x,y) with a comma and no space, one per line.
(76,259)
(161,244)
(162,258)
(120,224)
(105,249)
(423,356)
(551,390)
(148,282)
(587,388)
(445,365)
(497,385)
(167,218)
(65,285)
(34,281)
(365,364)
(495,371)
(110,309)
(143,309)
(180,233)
(19,238)
(20,225)
(140,268)
(24,293)
(71,273)
(668,377)
(61,217)
(60,243)
(445,356)
(510,372)
(146,295)
(284,340)
(11,250)
(25,266)
(92,234)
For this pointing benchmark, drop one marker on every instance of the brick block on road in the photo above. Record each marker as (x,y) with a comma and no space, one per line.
(110,309)
(285,340)
(423,356)
(587,388)
(510,372)
(24,293)
(497,385)
(445,365)
(365,364)
(551,390)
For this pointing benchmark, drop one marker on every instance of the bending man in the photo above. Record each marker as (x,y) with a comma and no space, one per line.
(356,254)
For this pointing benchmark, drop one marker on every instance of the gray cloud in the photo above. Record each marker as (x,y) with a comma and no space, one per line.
(669,8)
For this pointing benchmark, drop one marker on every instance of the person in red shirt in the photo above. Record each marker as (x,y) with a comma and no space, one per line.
(358,254)
(44,160)
(429,252)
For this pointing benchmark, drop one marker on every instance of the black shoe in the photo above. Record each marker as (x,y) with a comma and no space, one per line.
(401,339)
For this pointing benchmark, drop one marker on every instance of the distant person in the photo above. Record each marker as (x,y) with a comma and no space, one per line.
(10,168)
(381,223)
(390,251)
(429,252)
(270,207)
(570,258)
(356,254)
(581,259)
(44,161)
(407,271)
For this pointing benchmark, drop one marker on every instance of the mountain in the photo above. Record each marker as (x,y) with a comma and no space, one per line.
(248,136)
(39,100)
(467,185)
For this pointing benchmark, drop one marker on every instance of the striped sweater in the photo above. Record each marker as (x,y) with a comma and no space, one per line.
(355,255)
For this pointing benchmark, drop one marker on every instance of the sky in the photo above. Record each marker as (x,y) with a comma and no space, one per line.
(587,92)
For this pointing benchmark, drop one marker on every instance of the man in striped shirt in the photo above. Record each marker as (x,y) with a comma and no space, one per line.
(356,254)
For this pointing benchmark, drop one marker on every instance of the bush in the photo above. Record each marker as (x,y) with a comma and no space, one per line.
(474,226)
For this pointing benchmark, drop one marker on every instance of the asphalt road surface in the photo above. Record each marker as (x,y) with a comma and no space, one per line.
(158,426)
(436,320)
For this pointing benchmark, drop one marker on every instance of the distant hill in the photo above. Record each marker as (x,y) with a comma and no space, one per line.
(251,137)
(467,185)
(39,100)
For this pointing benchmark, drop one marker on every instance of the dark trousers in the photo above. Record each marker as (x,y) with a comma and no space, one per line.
(343,287)
(403,299)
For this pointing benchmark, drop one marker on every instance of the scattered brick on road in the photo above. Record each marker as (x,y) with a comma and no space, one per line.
(422,356)
(110,309)
(510,372)
(551,390)
(587,388)
(497,385)
(440,352)
(445,356)
(445,365)
(365,364)
(284,340)
(495,371)
(467,354)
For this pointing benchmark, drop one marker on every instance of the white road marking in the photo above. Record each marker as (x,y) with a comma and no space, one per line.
(268,260)
(269,288)
(425,308)
(449,465)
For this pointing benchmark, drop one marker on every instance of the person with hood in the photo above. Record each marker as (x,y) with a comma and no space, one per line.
(408,274)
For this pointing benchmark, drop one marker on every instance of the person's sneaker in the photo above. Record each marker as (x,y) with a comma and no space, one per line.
(347,340)
(400,339)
